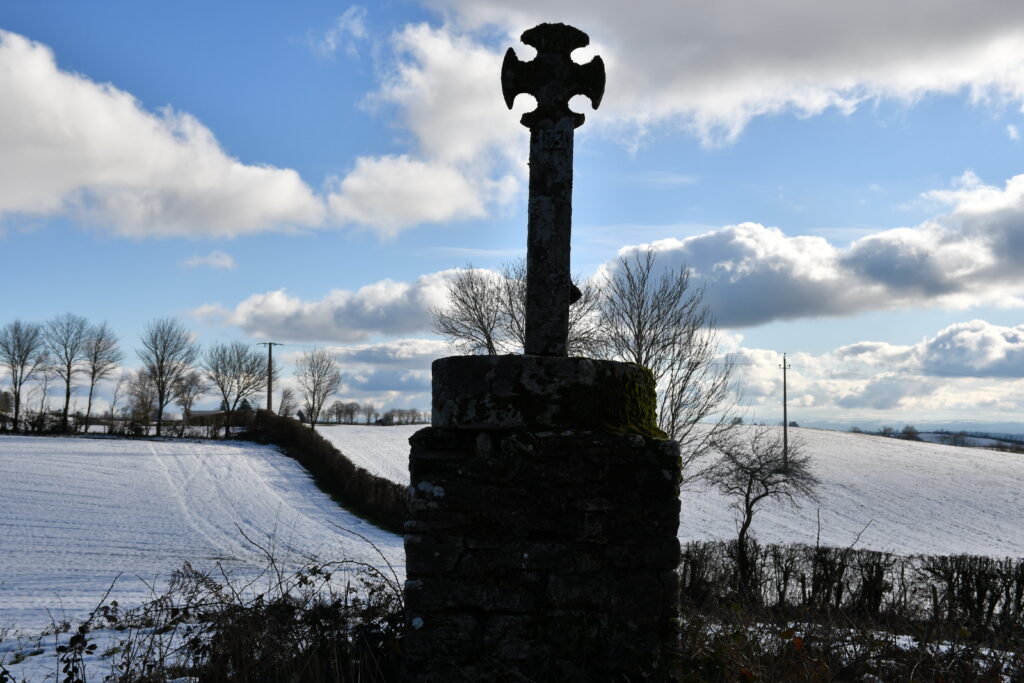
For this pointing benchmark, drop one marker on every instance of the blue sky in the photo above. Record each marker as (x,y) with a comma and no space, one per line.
(842,178)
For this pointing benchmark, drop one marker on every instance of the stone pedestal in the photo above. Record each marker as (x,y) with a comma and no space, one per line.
(541,541)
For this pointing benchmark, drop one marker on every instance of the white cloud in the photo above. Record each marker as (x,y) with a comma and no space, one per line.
(972,366)
(89,150)
(974,349)
(216,259)
(468,150)
(73,146)
(1012,132)
(968,257)
(390,194)
(711,67)
(348,30)
(382,308)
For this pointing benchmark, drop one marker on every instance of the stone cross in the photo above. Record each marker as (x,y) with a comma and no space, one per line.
(552,78)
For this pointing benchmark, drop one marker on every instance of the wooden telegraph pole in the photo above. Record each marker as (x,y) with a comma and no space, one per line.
(270,372)
(785,418)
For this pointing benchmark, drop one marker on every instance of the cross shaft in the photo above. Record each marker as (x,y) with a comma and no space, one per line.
(552,78)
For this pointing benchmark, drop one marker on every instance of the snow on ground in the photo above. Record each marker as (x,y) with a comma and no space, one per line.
(77,512)
(383,451)
(913,497)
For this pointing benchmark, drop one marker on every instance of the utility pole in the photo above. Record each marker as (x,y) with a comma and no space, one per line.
(270,372)
(785,418)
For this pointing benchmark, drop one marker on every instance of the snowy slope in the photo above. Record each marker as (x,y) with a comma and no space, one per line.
(912,497)
(383,451)
(76,512)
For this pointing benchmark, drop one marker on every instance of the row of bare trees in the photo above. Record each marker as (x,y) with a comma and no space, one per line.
(67,347)
(173,369)
(352,412)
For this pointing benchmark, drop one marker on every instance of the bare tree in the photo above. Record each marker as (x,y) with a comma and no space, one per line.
(167,354)
(661,323)
(286,406)
(585,336)
(186,390)
(472,318)
(319,378)
(142,399)
(486,312)
(44,377)
(754,469)
(120,389)
(66,337)
(22,352)
(102,355)
(238,372)
(369,411)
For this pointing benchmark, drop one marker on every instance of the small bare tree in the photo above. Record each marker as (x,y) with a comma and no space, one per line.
(369,411)
(585,336)
(238,372)
(286,406)
(44,377)
(102,355)
(66,338)
(754,469)
(142,400)
(662,323)
(120,389)
(187,389)
(486,312)
(319,378)
(22,353)
(472,318)
(167,354)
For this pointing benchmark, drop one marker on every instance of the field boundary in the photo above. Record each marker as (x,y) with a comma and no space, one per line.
(376,499)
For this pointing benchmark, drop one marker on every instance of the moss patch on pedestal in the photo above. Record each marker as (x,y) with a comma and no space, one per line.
(539,392)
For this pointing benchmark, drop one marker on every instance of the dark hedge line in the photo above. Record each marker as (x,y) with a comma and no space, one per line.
(983,595)
(374,498)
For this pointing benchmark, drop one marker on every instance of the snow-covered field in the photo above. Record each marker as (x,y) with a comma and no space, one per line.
(77,512)
(913,497)
(383,451)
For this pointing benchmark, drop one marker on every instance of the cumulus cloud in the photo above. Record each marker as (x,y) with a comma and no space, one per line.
(974,349)
(468,151)
(89,150)
(967,257)
(711,67)
(392,193)
(382,308)
(397,354)
(973,365)
(217,259)
(73,146)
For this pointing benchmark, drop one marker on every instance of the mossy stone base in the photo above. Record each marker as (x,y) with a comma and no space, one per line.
(544,392)
(541,556)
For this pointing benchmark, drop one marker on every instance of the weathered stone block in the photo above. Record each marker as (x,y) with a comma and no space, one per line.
(543,392)
(541,547)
